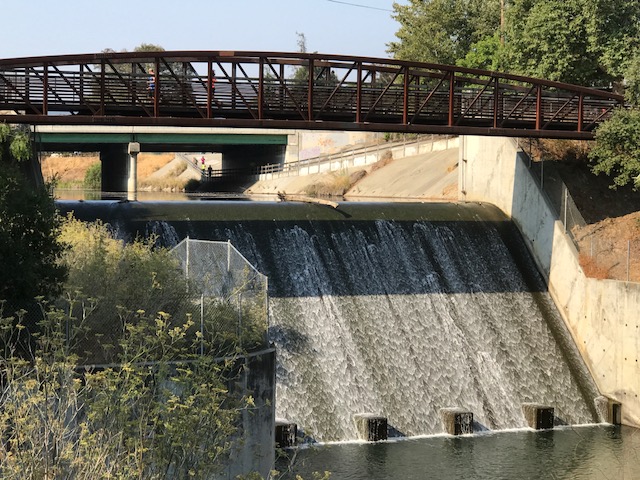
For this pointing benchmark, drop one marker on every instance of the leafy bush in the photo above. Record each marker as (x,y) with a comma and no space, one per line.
(161,413)
(93,177)
(29,242)
(617,149)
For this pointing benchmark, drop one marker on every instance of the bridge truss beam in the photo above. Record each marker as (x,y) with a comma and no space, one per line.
(293,90)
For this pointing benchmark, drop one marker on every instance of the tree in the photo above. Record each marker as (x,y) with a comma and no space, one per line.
(29,246)
(486,54)
(442,31)
(301,74)
(616,152)
(588,42)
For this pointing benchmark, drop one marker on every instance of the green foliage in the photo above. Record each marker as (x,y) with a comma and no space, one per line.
(549,40)
(5,132)
(162,413)
(577,41)
(617,149)
(442,31)
(122,279)
(20,146)
(29,245)
(589,42)
(632,77)
(486,54)
(93,177)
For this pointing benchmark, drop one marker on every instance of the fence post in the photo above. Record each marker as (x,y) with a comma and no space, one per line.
(187,261)
(240,319)
(628,258)
(202,324)
(566,197)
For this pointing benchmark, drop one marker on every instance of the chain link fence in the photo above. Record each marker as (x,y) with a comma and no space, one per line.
(214,302)
(601,255)
(229,294)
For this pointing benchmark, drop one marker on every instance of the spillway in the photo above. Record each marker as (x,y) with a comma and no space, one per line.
(394,309)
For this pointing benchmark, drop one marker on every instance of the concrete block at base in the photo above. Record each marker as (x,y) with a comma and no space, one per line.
(371,428)
(539,417)
(609,411)
(286,433)
(456,421)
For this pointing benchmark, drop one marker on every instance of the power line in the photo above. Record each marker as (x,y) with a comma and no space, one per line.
(360,6)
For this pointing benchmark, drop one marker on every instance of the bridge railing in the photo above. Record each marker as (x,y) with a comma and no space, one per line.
(294,90)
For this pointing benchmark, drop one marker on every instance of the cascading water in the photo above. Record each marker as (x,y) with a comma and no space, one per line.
(396,310)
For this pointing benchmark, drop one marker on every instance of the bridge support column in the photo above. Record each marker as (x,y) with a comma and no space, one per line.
(114,170)
(132,181)
(292,152)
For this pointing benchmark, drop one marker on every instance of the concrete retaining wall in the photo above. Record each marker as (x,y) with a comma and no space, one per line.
(602,315)
(256,450)
(360,157)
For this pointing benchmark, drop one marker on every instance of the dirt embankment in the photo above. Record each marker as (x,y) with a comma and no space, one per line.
(609,244)
(69,170)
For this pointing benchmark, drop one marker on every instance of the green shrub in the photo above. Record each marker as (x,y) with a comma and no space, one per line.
(93,177)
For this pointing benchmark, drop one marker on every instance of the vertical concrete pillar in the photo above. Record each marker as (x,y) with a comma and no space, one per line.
(371,428)
(456,421)
(286,433)
(609,410)
(292,152)
(539,417)
(132,180)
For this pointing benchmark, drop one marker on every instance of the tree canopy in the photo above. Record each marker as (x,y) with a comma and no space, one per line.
(589,42)
(442,31)
(29,246)
(616,152)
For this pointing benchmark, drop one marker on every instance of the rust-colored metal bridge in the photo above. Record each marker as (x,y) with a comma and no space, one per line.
(275,90)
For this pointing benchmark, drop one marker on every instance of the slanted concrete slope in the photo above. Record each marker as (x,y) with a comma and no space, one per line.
(431,175)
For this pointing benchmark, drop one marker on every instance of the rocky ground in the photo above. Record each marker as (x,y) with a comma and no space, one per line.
(610,242)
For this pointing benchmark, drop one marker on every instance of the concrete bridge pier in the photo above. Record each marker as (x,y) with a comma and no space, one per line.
(114,158)
(132,182)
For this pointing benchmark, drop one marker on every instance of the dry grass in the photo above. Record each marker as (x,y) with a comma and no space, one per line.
(67,169)
(386,159)
(564,150)
(71,169)
(149,163)
(338,184)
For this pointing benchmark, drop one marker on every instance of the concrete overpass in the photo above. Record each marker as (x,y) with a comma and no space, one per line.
(119,146)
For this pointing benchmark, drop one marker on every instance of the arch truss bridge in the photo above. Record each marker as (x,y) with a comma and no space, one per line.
(293,90)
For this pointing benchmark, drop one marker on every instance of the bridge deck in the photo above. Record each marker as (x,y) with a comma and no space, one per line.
(275,90)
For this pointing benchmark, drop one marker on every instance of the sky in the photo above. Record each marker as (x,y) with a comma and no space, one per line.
(58,27)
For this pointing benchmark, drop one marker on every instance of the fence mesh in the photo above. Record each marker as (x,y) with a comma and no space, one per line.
(600,255)
(215,295)
(229,293)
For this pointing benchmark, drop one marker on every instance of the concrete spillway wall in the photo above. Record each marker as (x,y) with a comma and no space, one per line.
(602,315)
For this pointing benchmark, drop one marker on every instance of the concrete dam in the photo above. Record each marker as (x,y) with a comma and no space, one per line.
(398,310)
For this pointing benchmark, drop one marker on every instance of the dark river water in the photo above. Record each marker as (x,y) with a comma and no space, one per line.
(599,452)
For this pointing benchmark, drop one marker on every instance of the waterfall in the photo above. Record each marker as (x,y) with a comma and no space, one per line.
(396,310)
